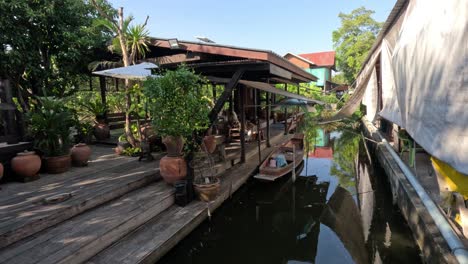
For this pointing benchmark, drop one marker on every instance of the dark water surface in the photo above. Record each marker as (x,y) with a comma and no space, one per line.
(339,210)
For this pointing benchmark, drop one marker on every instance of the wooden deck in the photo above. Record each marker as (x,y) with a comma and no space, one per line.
(118,211)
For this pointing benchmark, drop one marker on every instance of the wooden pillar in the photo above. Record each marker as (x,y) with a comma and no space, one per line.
(102,86)
(90,83)
(213,89)
(286,113)
(257,102)
(268,113)
(241,93)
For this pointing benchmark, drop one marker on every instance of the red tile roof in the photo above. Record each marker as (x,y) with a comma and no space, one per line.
(322,153)
(326,58)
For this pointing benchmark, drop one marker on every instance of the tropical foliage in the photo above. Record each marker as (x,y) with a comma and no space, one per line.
(50,124)
(353,41)
(47,45)
(179,103)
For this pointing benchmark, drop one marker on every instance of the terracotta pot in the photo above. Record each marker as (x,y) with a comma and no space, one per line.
(173,169)
(101,131)
(58,164)
(174,145)
(207,192)
(209,144)
(121,146)
(26,164)
(80,154)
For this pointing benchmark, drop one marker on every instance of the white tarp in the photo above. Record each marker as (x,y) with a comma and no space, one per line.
(371,96)
(391,108)
(430,73)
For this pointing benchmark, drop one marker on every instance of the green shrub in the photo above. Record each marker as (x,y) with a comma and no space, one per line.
(178,102)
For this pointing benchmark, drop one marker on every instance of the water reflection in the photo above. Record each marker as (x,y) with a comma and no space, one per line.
(338,211)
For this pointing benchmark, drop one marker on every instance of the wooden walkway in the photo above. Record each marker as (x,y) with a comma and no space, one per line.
(117,212)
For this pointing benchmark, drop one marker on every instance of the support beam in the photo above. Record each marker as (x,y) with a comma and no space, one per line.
(225,95)
(102,86)
(268,114)
(213,90)
(286,113)
(241,92)
(257,102)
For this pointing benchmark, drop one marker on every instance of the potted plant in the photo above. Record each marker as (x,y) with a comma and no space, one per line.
(206,185)
(101,129)
(179,107)
(50,124)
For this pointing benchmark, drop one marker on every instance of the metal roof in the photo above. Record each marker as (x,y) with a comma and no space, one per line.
(272,56)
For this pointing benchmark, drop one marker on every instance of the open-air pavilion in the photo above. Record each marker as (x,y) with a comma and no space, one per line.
(247,77)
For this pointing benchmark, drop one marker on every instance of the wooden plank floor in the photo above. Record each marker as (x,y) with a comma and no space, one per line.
(81,237)
(22,211)
(154,239)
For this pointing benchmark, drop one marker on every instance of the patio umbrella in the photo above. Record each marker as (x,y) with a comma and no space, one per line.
(135,72)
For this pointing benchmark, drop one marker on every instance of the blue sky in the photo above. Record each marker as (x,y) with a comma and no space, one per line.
(297,26)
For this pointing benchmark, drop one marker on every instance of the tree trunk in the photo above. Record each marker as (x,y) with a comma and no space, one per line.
(128,121)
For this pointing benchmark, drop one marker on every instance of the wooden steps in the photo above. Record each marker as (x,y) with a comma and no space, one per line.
(155,238)
(23,212)
(83,236)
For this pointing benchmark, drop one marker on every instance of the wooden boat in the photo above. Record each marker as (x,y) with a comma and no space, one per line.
(293,151)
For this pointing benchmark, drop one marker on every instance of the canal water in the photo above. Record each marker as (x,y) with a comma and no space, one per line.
(339,210)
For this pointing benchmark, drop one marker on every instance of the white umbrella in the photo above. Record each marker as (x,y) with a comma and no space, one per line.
(140,71)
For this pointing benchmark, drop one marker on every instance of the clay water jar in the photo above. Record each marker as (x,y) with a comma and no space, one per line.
(59,164)
(209,143)
(173,169)
(26,164)
(80,154)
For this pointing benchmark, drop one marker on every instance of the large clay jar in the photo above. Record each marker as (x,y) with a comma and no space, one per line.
(209,144)
(80,154)
(26,164)
(207,192)
(173,169)
(58,164)
(174,145)
(101,131)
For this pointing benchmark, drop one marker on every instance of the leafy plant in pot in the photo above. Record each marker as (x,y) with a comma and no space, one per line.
(98,109)
(50,124)
(179,107)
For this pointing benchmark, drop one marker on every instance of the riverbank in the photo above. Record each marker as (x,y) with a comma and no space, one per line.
(429,238)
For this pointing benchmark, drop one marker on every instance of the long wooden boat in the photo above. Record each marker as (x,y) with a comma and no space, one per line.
(293,151)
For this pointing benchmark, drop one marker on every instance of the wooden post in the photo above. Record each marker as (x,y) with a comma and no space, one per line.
(102,86)
(90,83)
(213,89)
(241,92)
(268,102)
(294,163)
(257,102)
(286,113)
(225,95)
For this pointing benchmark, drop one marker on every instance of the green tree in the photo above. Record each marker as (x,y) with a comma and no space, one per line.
(46,45)
(353,40)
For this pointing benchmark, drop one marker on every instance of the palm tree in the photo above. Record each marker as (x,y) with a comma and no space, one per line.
(131,42)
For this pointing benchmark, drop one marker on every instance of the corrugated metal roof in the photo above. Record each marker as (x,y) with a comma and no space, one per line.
(281,58)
